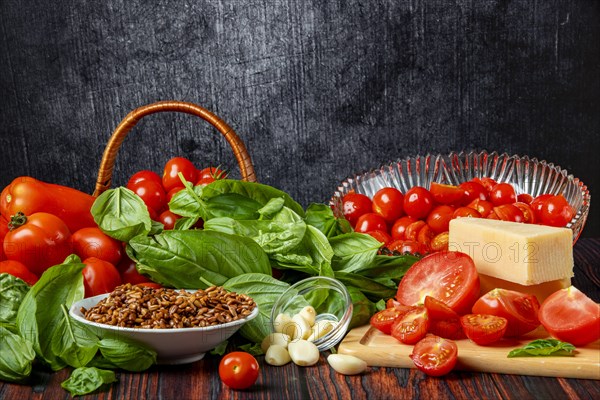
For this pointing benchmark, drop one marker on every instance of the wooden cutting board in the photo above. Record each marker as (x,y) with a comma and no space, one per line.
(381,350)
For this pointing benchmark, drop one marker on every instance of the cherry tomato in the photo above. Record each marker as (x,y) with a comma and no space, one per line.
(437,309)
(569,315)
(129,273)
(482,206)
(556,211)
(3,232)
(519,309)
(168,219)
(434,355)
(388,203)
(143,176)
(447,194)
(447,328)
(370,222)
(440,242)
(99,277)
(406,246)
(528,216)
(493,215)
(483,329)
(503,193)
(172,192)
(399,227)
(207,180)
(487,183)
(383,320)
(17,269)
(392,303)
(152,285)
(509,212)
(473,191)
(412,326)
(524,198)
(151,193)
(537,204)
(355,205)
(238,370)
(381,236)
(425,236)
(412,230)
(439,218)
(213,173)
(418,202)
(92,242)
(448,276)
(462,212)
(39,241)
(173,167)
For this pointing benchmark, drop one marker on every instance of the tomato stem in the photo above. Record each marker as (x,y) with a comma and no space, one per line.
(17,220)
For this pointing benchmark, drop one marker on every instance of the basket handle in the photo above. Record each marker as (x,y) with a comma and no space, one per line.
(107,163)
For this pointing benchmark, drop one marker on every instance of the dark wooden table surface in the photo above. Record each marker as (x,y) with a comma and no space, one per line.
(200,380)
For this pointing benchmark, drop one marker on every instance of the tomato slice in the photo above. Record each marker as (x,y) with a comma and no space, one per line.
(447,328)
(438,309)
(399,227)
(482,206)
(571,316)
(483,329)
(509,212)
(446,194)
(407,246)
(383,320)
(440,242)
(412,326)
(528,216)
(381,236)
(449,276)
(519,309)
(434,355)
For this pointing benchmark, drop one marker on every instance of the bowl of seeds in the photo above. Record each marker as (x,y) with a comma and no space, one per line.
(180,325)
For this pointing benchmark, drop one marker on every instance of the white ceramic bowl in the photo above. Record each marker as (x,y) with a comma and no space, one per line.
(527,175)
(172,345)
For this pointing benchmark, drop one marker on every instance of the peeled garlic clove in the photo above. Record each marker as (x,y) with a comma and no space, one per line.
(320,329)
(301,328)
(277,355)
(281,322)
(309,314)
(275,338)
(303,353)
(346,364)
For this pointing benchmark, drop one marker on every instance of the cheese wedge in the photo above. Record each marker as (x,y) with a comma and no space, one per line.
(541,290)
(526,254)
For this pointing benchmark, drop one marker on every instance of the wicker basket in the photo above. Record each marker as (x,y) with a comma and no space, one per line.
(114,143)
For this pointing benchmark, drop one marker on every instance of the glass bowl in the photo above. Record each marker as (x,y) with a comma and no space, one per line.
(330,299)
(527,175)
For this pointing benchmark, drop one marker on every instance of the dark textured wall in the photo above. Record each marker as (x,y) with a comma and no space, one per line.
(317,89)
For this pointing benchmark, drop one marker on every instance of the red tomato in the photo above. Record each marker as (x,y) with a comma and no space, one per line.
(172,192)
(446,194)
(392,303)
(425,236)
(412,230)
(388,203)
(207,180)
(17,269)
(370,222)
(519,309)
(143,175)
(439,218)
(39,241)
(99,277)
(503,193)
(528,216)
(447,328)
(129,273)
(406,246)
(213,173)
(569,315)
(440,242)
(400,225)
(483,329)
(381,236)
(151,193)
(418,202)
(509,212)
(462,212)
(173,167)
(437,309)
(448,276)
(492,215)
(434,355)
(473,191)
(92,242)
(487,183)
(412,326)
(355,205)
(482,206)
(152,285)
(3,232)
(537,204)
(525,198)
(556,211)
(168,219)
(238,370)
(383,320)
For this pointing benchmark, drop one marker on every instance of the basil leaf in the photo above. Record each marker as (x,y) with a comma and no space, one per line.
(121,214)
(393,267)
(86,380)
(321,217)
(12,292)
(253,348)
(220,349)
(354,251)
(545,348)
(39,316)
(16,357)
(272,207)
(127,355)
(188,203)
(73,342)
(372,288)
(264,290)
(232,205)
(196,259)
(362,309)
(380,305)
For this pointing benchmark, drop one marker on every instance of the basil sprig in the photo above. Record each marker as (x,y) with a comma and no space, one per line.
(544,348)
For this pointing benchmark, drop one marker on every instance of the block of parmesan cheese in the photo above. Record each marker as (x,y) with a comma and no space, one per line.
(526,254)
(541,290)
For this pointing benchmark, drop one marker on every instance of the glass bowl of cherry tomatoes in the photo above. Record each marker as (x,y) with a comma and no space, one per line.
(408,204)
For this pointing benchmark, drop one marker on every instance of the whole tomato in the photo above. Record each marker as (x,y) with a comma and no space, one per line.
(209,175)
(355,205)
(238,370)
(388,203)
(503,193)
(129,273)
(370,222)
(151,193)
(168,219)
(418,202)
(99,277)
(173,167)
(3,232)
(17,269)
(39,241)
(92,242)
(144,175)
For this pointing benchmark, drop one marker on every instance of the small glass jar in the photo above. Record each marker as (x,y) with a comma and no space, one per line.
(330,299)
